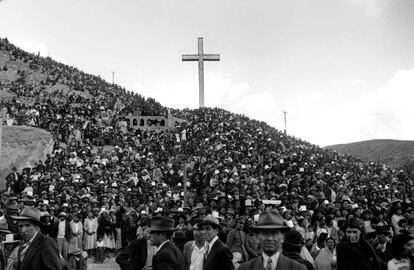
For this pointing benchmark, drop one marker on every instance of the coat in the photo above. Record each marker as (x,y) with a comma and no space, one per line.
(42,253)
(283,263)
(169,257)
(188,250)
(236,241)
(219,257)
(362,254)
(134,256)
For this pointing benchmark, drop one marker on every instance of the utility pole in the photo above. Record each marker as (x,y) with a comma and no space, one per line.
(1,124)
(113,76)
(284,114)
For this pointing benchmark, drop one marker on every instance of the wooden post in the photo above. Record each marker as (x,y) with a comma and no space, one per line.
(185,184)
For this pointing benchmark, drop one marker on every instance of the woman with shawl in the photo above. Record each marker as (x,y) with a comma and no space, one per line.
(326,259)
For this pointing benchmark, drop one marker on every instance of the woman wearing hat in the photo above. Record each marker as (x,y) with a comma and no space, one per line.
(270,229)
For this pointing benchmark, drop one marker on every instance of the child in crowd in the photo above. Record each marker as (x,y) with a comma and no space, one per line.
(100,250)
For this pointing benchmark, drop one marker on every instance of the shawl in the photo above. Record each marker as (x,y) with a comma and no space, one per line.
(325,259)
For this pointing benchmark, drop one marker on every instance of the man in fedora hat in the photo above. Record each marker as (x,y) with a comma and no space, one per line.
(167,256)
(270,229)
(217,255)
(4,230)
(36,251)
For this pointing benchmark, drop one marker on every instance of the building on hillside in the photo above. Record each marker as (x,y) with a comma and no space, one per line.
(137,121)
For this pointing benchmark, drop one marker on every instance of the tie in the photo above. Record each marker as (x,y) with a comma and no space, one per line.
(207,250)
(269,264)
(23,250)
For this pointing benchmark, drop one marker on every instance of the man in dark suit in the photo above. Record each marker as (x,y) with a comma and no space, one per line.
(138,254)
(218,255)
(167,256)
(270,229)
(36,251)
(3,231)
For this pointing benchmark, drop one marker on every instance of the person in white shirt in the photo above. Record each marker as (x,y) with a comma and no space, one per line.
(63,235)
(194,250)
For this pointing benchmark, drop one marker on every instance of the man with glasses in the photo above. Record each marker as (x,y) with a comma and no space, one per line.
(217,255)
(270,230)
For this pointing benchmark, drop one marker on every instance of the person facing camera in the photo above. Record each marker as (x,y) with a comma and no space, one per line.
(270,231)
(354,252)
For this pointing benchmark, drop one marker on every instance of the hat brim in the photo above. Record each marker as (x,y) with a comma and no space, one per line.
(5,231)
(258,228)
(214,225)
(26,218)
(160,229)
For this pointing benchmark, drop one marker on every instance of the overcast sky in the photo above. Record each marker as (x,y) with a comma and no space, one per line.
(342,69)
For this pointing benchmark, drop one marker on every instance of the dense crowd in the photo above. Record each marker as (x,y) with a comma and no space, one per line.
(102,184)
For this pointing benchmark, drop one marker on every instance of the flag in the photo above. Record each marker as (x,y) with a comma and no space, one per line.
(118,106)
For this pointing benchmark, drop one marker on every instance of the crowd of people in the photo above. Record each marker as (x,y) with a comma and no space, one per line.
(103,184)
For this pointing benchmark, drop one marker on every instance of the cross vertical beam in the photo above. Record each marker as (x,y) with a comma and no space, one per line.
(201,57)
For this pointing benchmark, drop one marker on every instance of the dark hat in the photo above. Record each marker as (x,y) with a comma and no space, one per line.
(29,213)
(293,238)
(210,220)
(270,221)
(76,251)
(179,235)
(162,224)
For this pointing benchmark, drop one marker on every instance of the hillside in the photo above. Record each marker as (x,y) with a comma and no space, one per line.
(224,150)
(23,147)
(390,152)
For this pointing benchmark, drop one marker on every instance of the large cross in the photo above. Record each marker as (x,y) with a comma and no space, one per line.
(201,57)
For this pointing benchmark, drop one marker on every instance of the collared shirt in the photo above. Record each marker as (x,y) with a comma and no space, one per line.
(197,257)
(211,243)
(274,257)
(160,246)
(151,250)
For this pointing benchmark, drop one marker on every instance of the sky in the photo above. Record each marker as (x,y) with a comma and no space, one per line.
(342,70)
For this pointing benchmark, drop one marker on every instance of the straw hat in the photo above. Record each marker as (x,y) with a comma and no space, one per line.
(210,220)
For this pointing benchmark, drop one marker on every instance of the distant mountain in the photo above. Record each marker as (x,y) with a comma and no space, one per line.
(390,152)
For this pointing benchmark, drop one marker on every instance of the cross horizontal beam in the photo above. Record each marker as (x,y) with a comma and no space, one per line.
(204,57)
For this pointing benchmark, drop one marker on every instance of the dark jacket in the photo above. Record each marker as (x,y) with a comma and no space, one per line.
(42,253)
(296,257)
(219,257)
(134,256)
(360,256)
(283,263)
(169,257)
